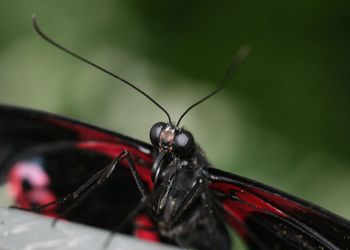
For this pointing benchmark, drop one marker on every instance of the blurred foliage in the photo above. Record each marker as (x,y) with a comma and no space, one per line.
(284,120)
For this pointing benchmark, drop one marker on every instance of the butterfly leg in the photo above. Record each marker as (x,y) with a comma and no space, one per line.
(144,202)
(93,183)
(69,197)
(216,231)
(210,233)
(207,206)
(191,196)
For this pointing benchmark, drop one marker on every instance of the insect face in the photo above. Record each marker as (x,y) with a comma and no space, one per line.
(168,137)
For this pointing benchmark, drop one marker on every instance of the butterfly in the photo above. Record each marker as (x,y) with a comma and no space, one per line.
(166,191)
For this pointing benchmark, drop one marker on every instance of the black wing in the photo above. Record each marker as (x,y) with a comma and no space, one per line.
(267,218)
(45,156)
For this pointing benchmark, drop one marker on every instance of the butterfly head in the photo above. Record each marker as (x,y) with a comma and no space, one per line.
(168,137)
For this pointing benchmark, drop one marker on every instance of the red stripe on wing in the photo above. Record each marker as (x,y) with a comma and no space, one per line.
(244,204)
(84,133)
(143,229)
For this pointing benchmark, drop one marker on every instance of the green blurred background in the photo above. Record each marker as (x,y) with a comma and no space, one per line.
(283,120)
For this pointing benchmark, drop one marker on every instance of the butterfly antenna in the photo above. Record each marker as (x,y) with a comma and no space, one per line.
(238,59)
(49,40)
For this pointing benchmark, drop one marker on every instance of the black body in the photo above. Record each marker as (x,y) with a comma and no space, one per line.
(182,205)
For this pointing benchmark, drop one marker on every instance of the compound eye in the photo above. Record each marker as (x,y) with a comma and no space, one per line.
(154,134)
(184,143)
